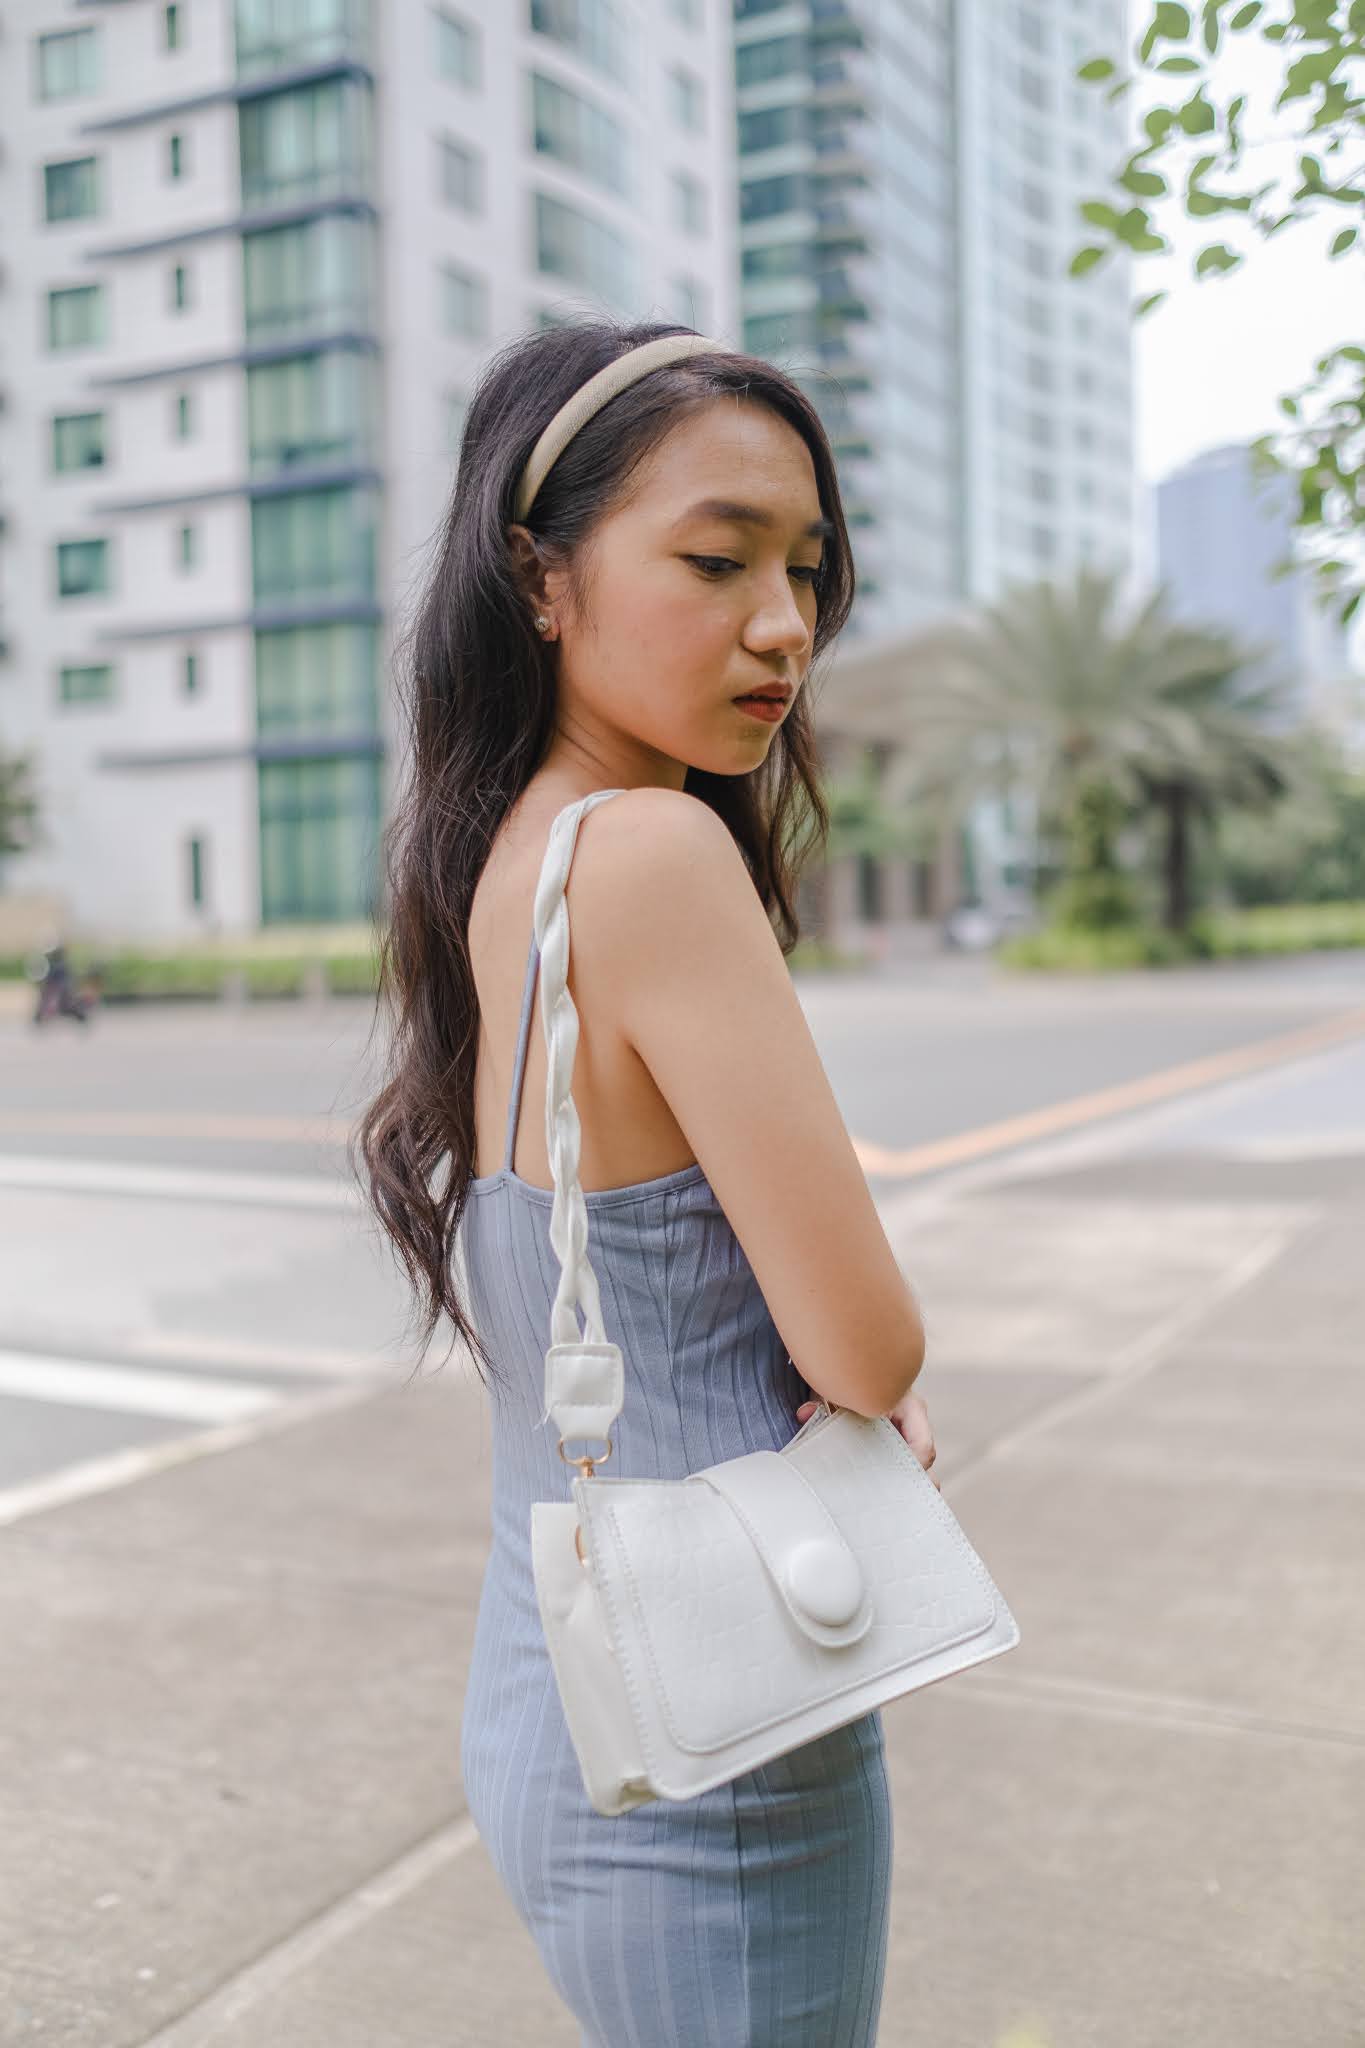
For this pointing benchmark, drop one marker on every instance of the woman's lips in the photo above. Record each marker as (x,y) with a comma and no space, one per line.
(769,708)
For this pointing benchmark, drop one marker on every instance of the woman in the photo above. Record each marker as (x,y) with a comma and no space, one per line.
(607,595)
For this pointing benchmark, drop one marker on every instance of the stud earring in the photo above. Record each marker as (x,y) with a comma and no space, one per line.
(542,624)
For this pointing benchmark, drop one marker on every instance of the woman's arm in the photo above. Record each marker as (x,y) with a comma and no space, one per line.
(706,999)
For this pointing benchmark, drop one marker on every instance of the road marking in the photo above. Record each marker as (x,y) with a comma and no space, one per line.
(316,1361)
(1104,1701)
(1140,1356)
(179,1183)
(914,1160)
(86,1383)
(151,1123)
(242,1993)
(144,1461)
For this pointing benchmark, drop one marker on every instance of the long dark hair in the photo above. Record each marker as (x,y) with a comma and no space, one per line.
(476,687)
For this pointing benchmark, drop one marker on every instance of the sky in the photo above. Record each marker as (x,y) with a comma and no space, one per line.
(1213,358)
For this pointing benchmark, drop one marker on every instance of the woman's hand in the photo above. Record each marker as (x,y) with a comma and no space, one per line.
(910,1417)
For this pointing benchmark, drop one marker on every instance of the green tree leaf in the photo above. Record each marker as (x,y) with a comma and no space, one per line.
(1096,69)
(1085,260)
(1099,214)
(1342,242)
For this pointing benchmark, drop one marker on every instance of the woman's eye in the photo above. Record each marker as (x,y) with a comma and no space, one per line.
(717,565)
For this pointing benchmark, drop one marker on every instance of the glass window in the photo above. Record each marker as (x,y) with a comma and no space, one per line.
(86,683)
(778,259)
(312,277)
(191,676)
(583,250)
(68,63)
(307,143)
(460,175)
(464,303)
(579,133)
(71,189)
(310,545)
(316,679)
(596,30)
(770,127)
(82,568)
(759,198)
(195,847)
(685,99)
(780,57)
(774,333)
(75,316)
(315,410)
(78,440)
(320,827)
(689,203)
(184,417)
(171,26)
(186,547)
(175,156)
(271,35)
(457,49)
(180,288)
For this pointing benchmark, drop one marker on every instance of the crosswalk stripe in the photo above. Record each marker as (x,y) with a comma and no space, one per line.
(84,1383)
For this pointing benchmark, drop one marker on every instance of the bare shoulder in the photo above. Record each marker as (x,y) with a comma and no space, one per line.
(661,824)
(653,861)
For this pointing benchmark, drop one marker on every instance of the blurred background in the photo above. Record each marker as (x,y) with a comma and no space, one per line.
(1076,288)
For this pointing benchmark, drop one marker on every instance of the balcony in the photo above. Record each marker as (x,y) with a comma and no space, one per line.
(283,36)
(267,191)
(846,82)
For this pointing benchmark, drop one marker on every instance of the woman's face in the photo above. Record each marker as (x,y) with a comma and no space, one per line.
(689,607)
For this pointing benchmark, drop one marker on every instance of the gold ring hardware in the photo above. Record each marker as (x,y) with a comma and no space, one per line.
(585,1464)
(578,1543)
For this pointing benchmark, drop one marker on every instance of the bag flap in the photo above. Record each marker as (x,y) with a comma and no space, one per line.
(699,1598)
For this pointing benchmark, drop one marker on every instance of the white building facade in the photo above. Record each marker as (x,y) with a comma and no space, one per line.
(254,255)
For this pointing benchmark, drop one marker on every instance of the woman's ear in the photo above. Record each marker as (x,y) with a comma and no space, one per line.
(526,563)
(540,585)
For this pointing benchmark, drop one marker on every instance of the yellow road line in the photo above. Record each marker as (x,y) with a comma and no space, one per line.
(910,1161)
(884,1161)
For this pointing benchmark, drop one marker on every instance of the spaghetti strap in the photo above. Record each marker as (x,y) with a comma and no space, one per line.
(519,1070)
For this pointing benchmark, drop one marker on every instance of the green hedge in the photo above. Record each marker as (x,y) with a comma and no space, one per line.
(130,975)
(1219,935)
(192,976)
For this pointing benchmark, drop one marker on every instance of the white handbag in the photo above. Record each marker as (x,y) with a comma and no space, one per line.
(699,1627)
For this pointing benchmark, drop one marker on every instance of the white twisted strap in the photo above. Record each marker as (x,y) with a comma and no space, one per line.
(584,1374)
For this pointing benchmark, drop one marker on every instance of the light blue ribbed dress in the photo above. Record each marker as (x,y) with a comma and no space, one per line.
(753,1916)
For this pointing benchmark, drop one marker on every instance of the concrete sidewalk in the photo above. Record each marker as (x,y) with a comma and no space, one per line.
(232,1690)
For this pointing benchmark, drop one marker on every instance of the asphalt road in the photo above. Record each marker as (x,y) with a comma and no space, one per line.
(181,1249)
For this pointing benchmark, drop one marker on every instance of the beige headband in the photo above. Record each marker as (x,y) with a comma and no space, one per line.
(592,396)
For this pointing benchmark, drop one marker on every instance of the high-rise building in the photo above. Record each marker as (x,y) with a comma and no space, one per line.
(253,256)
(910,173)
(1221,531)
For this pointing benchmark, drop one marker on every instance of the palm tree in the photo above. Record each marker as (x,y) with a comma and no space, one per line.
(1097,717)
